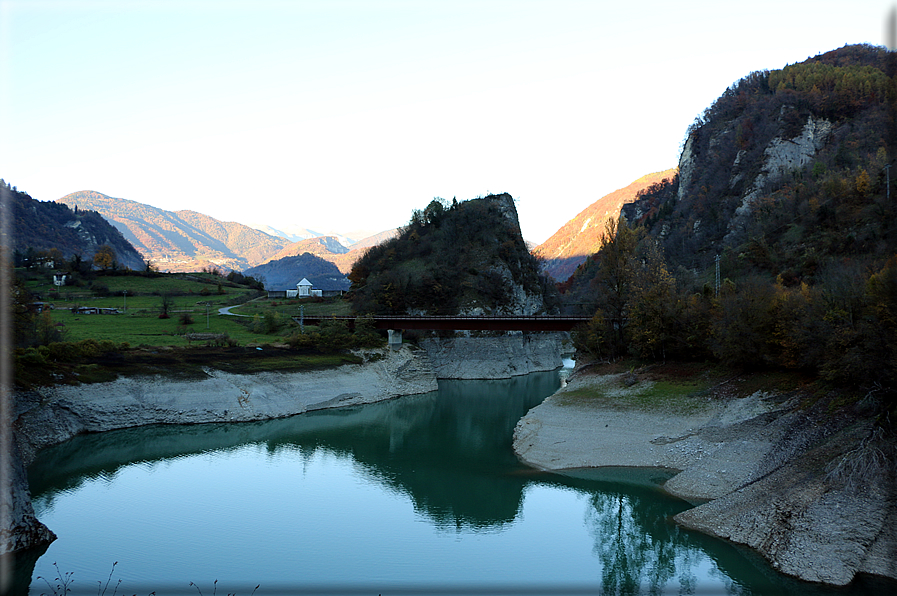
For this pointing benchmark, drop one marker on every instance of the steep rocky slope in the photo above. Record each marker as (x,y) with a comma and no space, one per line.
(786,171)
(42,225)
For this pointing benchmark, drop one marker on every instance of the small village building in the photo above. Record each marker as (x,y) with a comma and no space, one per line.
(95,310)
(304,289)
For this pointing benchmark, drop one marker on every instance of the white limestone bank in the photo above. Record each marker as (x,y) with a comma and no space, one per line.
(487,355)
(50,415)
(764,465)
(60,412)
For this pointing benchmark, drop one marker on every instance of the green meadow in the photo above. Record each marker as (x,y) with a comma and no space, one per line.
(194,301)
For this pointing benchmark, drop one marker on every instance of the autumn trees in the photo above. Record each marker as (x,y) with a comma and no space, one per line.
(104,258)
(636,302)
(843,328)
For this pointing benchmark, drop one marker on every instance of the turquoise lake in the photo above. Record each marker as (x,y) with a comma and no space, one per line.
(417,495)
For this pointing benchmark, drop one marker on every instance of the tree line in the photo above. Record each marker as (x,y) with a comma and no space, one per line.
(842,328)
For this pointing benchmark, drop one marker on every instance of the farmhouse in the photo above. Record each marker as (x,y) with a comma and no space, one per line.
(303,289)
(95,310)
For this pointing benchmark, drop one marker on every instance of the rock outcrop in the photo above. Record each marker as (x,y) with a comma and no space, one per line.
(19,527)
(781,157)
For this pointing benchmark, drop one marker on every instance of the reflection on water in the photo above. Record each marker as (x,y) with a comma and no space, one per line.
(420,491)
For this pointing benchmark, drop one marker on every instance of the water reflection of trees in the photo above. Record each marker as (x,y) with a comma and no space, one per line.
(636,549)
(449,451)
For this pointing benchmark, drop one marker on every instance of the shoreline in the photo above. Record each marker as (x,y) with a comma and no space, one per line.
(50,415)
(753,466)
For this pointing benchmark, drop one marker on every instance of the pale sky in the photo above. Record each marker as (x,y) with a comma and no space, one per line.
(342,116)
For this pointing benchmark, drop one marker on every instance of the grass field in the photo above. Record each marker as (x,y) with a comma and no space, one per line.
(196,295)
(253,342)
(312,308)
(142,327)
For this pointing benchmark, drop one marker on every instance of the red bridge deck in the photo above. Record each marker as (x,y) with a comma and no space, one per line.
(501,323)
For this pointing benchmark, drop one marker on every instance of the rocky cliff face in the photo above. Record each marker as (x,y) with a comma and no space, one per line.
(19,528)
(781,157)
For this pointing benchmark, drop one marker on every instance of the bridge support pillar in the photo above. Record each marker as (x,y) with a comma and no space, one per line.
(395,338)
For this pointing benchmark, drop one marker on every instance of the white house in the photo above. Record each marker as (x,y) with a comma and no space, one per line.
(304,287)
(303,290)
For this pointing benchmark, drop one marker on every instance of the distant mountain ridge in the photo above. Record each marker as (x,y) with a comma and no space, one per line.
(181,240)
(332,250)
(284,273)
(581,236)
(189,241)
(321,246)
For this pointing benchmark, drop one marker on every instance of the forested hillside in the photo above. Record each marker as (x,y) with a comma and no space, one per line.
(786,178)
(44,225)
(285,273)
(451,258)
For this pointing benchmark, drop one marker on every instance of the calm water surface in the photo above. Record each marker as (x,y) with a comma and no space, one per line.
(420,494)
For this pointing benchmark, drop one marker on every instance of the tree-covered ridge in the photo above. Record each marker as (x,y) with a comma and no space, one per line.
(786,193)
(450,258)
(45,225)
(285,273)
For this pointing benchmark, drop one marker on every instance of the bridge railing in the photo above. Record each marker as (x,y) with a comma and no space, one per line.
(458,322)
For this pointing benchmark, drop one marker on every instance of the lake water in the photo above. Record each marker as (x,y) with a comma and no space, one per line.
(417,495)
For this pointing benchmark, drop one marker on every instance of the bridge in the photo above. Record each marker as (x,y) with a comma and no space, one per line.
(395,324)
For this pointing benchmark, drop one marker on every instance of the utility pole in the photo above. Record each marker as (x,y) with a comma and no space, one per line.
(207,314)
(124,294)
(301,318)
(717,275)
(888,184)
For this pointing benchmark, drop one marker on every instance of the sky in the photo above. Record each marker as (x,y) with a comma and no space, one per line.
(345,116)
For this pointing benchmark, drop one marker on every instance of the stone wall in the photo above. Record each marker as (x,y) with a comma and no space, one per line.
(495,356)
